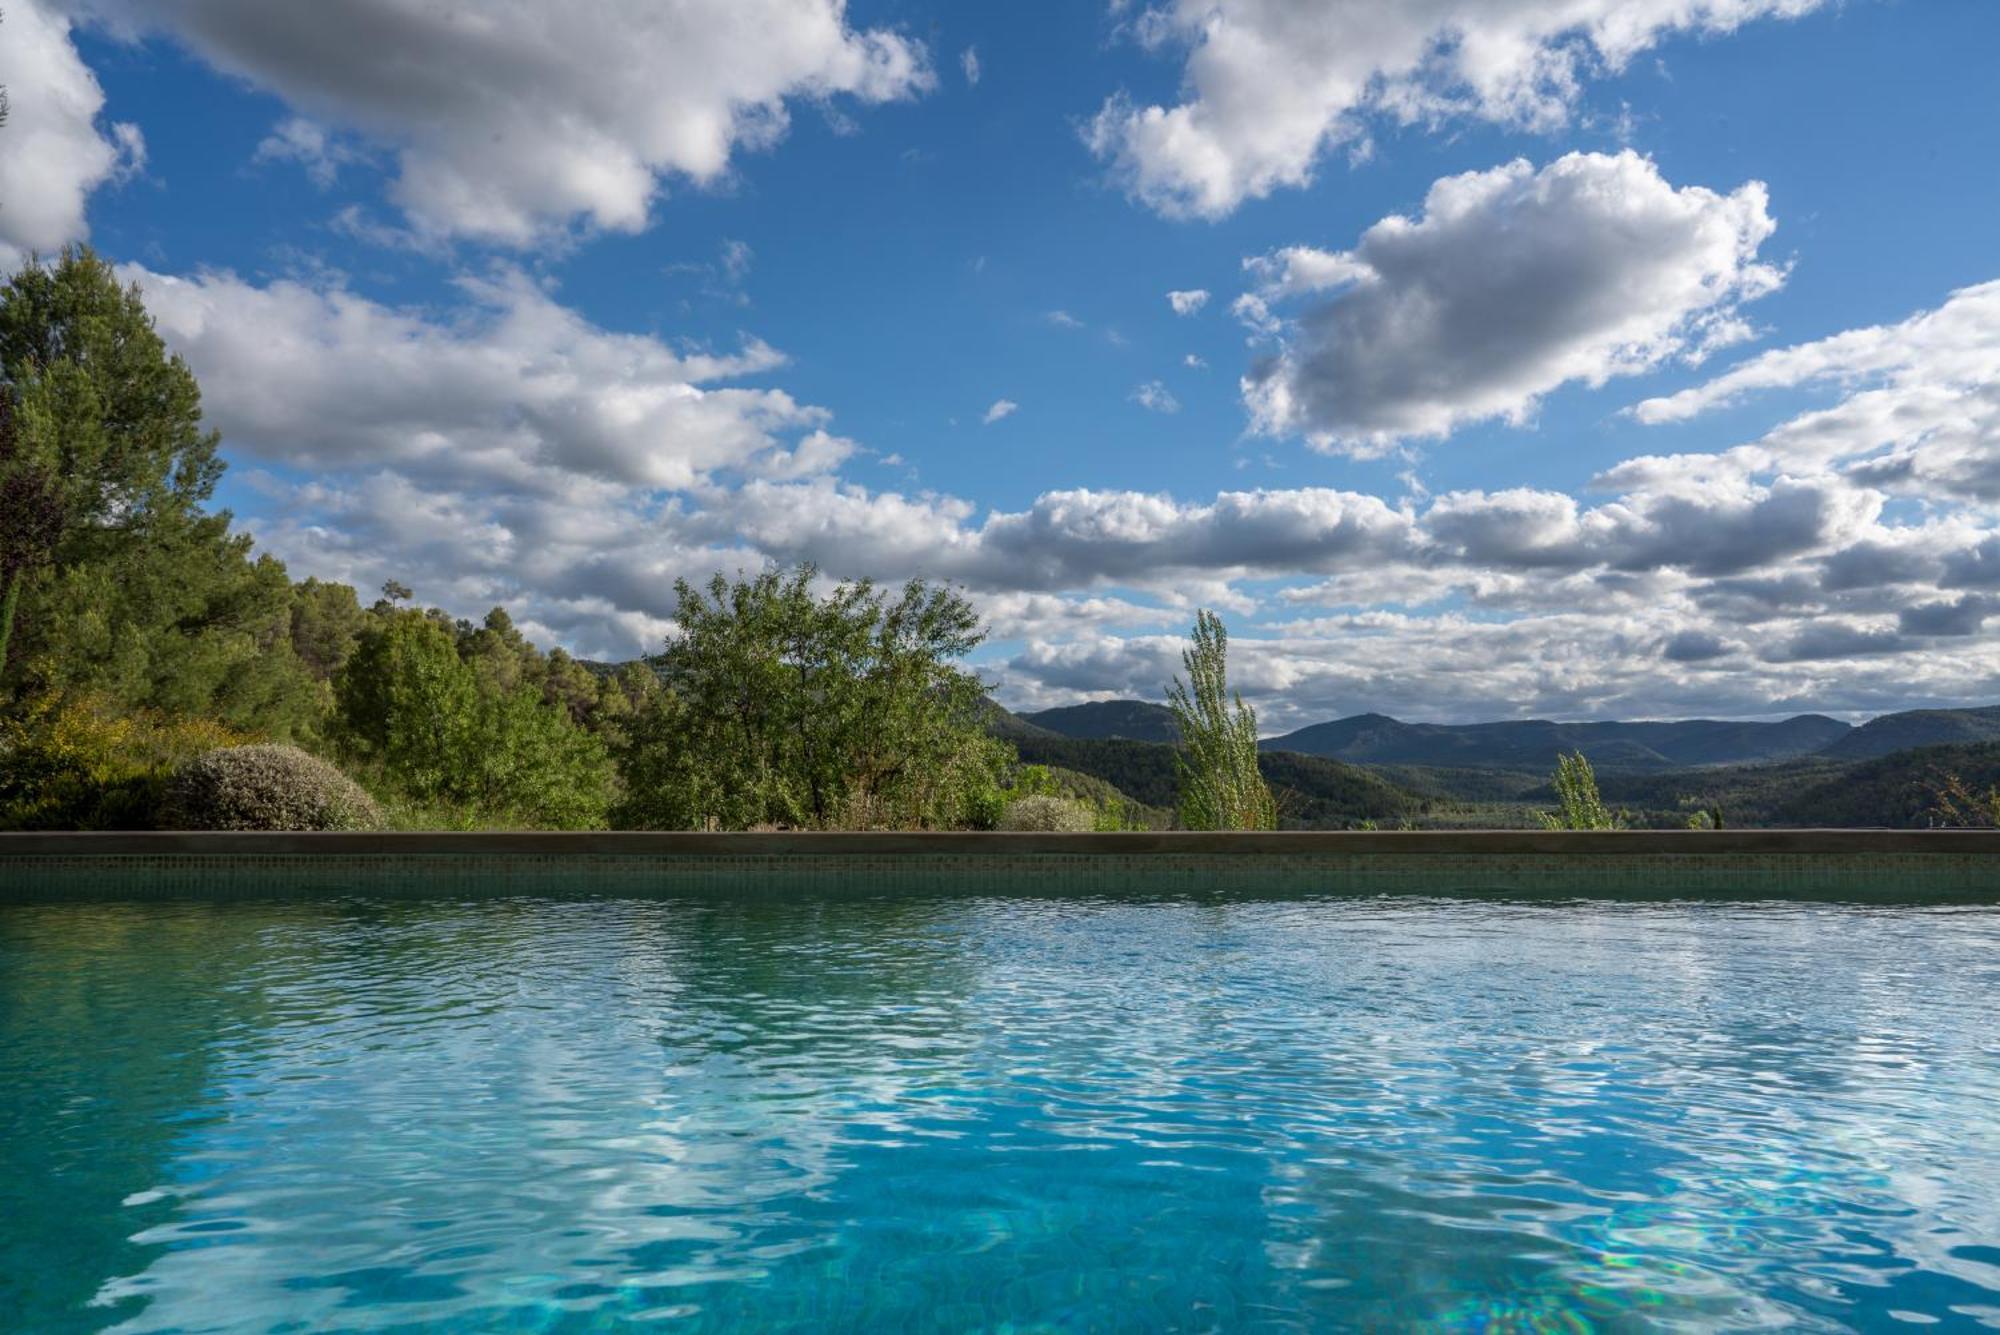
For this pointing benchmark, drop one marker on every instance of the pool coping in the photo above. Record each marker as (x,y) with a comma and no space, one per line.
(957,844)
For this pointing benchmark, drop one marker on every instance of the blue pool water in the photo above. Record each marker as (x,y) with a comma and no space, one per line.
(953,1114)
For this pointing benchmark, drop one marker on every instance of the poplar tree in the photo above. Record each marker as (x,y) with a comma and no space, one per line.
(1221,787)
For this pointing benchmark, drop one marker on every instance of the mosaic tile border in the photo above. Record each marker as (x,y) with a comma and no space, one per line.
(1878,866)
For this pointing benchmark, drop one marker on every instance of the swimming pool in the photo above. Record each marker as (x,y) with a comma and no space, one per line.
(1000,1113)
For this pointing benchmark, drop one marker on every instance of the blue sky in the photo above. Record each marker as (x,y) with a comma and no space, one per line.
(465,331)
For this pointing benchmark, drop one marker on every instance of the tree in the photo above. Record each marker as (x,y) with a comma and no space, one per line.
(414,712)
(123,418)
(408,704)
(120,584)
(1578,805)
(31,518)
(1220,787)
(784,707)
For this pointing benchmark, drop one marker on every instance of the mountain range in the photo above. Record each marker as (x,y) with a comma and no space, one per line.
(1533,744)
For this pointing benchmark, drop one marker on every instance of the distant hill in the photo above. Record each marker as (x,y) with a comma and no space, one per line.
(1914,728)
(1135,720)
(1533,745)
(1313,792)
(1009,726)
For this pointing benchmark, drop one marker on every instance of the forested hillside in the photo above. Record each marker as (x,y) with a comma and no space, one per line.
(1917,727)
(1312,793)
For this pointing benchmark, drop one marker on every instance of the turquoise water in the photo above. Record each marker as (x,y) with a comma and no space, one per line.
(953,1114)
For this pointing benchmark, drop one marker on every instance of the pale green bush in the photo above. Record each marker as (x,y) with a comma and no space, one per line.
(1058,815)
(265,788)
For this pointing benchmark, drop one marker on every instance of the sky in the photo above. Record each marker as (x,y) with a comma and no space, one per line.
(1474,359)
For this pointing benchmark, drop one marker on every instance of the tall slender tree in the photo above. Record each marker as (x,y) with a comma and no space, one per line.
(1221,787)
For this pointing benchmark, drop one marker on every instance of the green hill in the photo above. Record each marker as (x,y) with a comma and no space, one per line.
(1313,793)
(1135,720)
(1898,790)
(1916,727)
(1533,744)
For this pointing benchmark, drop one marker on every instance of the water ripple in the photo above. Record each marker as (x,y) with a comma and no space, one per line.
(981,1114)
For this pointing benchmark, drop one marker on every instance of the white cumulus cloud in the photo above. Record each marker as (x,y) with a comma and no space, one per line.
(518,390)
(1918,406)
(1188,302)
(1272,84)
(511,118)
(53,149)
(1001,408)
(1511,283)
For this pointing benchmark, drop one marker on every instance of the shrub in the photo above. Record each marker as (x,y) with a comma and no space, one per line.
(1053,814)
(74,763)
(266,788)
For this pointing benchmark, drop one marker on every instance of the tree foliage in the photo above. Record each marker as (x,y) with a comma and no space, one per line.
(1578,805)
(119,583)
(1221,786)
(413,710)
(788,708)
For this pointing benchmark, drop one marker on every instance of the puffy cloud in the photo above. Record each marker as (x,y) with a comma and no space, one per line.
(1066,540)
(969,62)
(625,92)
(1960,616)
(1155,397)
(1836,639)
(1919,411)
(1001,409)
(518,391)
(1188,302)
(1512,282)
(53,151)
(296,139)
(1271,84)
(512,452)
(1695,646)
(1592,663)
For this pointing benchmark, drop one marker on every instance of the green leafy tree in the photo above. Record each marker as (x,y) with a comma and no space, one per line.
(409,705)
(784,707)
(1578,805)
(1220,786)
(31,518)
(413,711)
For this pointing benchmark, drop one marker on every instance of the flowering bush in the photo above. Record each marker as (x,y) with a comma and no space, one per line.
(265,788)
(73,763)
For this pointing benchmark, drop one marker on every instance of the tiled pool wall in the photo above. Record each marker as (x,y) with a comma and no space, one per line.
(1889,866)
